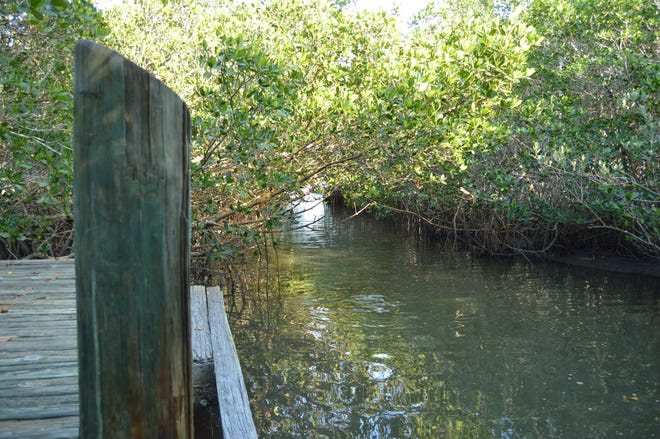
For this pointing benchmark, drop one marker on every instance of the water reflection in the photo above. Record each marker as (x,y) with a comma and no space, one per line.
(378,335)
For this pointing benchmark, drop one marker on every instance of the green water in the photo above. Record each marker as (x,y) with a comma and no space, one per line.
(374,334)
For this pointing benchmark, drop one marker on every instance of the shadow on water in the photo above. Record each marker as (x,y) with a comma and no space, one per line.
(207,421)
(206,410)
(376,334)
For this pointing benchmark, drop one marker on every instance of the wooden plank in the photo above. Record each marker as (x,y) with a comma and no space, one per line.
(235,414)
(131,209)
(24,372)
(42,355)
(40,382)
(46,270)
(69,385)
(34,367)
(39,304)
(63,427)
(199,322)
(29,344)
(40,407)
(47,328)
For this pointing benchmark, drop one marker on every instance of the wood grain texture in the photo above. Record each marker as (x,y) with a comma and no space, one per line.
(38,359)
(200,330)
(235,414)
(131,199)
(62,428)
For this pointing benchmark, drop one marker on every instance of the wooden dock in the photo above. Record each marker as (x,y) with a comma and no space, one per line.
(38,350)
(39,359)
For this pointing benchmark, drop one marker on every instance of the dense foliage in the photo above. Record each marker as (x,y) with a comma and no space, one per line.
(36,113)
(513,128)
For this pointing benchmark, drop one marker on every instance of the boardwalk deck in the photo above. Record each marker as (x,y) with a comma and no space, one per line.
(38,351)
(38,355)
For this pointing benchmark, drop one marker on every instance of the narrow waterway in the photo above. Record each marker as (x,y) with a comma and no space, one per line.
(373,333)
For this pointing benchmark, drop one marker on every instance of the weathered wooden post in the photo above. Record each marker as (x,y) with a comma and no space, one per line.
(132,142)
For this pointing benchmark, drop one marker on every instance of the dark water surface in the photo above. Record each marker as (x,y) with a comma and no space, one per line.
(375,334)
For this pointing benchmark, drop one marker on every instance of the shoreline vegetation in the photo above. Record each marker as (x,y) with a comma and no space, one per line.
(507,127)
(587,256)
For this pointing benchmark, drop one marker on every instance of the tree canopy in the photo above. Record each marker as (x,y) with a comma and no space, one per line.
(36,113)
(513,127)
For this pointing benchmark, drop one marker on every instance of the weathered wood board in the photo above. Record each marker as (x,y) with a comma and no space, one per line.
(131,210)
(201,333)
(237,421)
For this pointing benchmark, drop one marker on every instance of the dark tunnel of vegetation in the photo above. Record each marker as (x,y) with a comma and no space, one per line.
(509,126)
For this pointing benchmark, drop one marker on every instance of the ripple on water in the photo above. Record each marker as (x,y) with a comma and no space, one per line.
(379,371)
